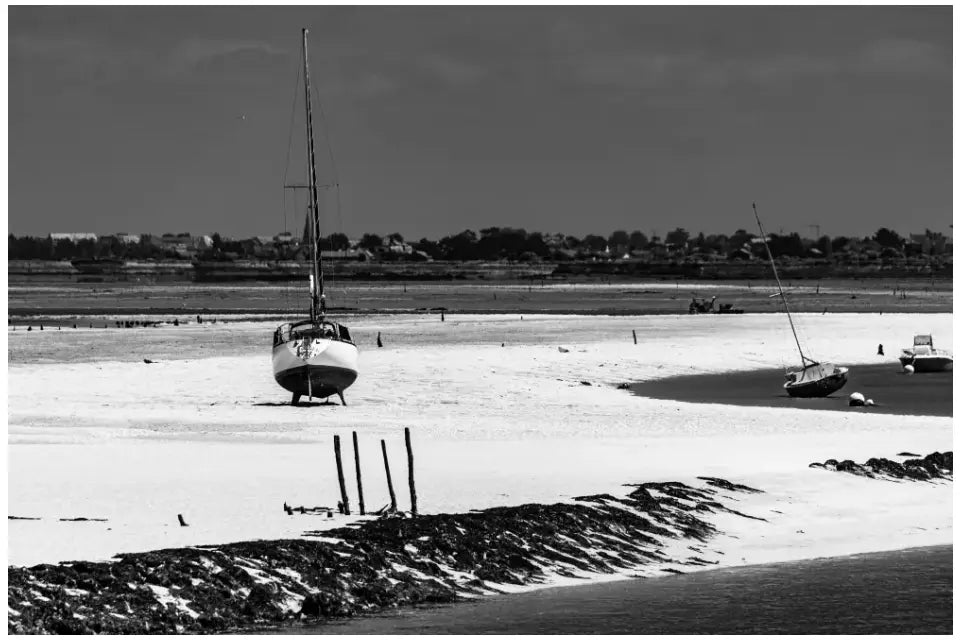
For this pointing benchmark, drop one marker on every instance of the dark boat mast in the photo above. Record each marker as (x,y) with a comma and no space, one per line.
(318,302)
(804,360)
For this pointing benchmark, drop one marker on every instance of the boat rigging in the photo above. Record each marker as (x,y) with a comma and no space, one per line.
(813,379)
(315,357)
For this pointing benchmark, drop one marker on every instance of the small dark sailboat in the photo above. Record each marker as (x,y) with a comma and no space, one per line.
(315,357)
(813,379)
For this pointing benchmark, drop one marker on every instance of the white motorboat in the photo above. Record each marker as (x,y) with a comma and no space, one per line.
(924,357)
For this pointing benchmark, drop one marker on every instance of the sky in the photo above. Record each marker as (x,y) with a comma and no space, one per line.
(556,119)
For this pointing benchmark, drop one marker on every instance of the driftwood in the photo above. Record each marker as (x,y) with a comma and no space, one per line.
(386,466)
(356,459)
(344,501)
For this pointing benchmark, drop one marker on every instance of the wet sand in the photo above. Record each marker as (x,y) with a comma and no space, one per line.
(925,394)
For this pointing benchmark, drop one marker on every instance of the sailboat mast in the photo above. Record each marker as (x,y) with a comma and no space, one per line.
(317,299)
(763,236)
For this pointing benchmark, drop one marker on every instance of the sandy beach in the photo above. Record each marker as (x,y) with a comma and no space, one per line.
(96,433)
(105,450)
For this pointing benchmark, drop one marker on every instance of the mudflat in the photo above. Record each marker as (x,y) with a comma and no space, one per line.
(64,297)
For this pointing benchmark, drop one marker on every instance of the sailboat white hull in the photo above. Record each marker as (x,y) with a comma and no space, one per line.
(316,367)
(316,357)
(816,381)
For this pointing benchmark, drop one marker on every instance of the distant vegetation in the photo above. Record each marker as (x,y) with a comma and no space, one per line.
(492,244)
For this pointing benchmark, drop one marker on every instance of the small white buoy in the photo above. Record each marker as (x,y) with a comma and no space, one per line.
(869,402)
(908,369)
(856,399)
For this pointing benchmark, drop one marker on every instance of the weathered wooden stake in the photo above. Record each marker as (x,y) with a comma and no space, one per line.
(634,336)
(183,523)
(356,460)
(343,487)
(386,466)
(379,341)
(413,488)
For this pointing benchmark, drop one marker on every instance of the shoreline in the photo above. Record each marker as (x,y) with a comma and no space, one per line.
(376,564)
(658,529)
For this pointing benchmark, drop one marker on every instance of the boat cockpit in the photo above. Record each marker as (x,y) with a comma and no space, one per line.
(325,329)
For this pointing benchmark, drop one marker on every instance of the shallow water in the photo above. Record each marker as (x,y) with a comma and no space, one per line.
(927,394)
(902,592)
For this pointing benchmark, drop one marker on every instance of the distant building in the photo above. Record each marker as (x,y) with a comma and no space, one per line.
(72,237)
(929,243)
(345,254)
(399,247)
(180,244)
(127,238)
(202,242)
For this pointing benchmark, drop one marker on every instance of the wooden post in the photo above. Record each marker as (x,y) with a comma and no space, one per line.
(386,466)
(413,488)
(634,336)
(343,487)
(183,523)
(356,460)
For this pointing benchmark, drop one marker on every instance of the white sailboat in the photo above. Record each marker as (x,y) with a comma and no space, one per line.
(813,379)
(314,357)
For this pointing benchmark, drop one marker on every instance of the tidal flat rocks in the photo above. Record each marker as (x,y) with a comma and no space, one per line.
(379,564)
(935,466)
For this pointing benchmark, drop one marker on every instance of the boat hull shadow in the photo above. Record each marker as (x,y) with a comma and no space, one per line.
(927,364)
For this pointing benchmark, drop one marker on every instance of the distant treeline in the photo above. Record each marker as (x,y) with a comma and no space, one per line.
(492,243)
